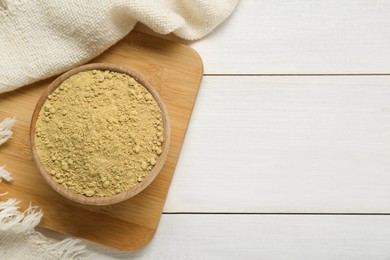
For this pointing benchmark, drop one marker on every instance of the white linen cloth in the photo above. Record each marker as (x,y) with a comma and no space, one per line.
(39,39)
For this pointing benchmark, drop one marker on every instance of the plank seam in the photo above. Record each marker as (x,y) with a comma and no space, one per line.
(276,213)
(293,75)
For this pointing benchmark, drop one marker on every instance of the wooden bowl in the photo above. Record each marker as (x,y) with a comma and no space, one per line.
(67,193)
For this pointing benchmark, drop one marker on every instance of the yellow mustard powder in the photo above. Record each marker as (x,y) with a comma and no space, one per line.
(99,133)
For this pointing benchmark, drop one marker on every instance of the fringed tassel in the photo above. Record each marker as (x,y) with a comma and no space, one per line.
(5,129)
(5,134)
(14,221)
(6,175)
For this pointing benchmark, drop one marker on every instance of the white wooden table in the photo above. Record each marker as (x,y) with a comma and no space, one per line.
(287,155)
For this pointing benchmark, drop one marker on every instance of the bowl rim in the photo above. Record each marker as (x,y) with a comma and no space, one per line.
(71,195)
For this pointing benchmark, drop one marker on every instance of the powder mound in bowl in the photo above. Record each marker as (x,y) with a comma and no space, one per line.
(99,133)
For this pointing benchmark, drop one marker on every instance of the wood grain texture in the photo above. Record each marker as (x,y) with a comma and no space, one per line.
(286,37)
(336,122)
(316,144)
(300,37)
(271,237)
(198,237)
(175,71)
(286,144)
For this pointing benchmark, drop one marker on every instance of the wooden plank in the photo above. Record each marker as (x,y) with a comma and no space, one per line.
(286,144)
(175,71)
(300,37)
(264,237)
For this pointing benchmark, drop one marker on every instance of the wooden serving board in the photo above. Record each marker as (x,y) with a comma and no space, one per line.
(175,70)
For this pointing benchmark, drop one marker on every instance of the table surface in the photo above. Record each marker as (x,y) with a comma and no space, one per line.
(287,152)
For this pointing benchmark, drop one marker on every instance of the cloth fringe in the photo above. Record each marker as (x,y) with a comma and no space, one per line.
(13,221)
(5,134)
(5,129)
(6,175)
